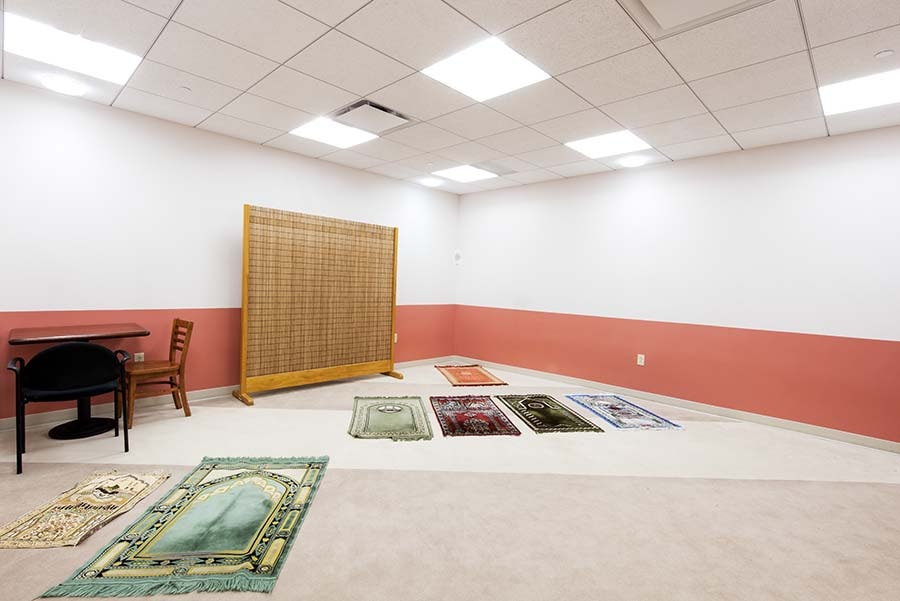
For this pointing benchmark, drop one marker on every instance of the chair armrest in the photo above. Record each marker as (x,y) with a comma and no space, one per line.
(15,365)
(122,356)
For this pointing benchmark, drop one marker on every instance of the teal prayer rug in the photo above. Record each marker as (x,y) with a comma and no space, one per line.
(227,526)
(621,413)
(397,418)
(543,414)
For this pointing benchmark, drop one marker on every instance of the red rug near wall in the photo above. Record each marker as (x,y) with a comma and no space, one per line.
(469,375)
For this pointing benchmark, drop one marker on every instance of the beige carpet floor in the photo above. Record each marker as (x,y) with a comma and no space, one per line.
(404,535)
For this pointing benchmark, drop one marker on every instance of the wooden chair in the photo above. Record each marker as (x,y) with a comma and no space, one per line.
(169,373)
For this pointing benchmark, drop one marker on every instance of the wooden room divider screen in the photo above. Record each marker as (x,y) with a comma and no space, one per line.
(319,300)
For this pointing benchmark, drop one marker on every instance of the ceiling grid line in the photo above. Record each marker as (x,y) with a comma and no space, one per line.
(144,57)
(678,73)
(812,64)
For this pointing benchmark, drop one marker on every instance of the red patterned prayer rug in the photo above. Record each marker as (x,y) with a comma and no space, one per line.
(471,416)
(469,375)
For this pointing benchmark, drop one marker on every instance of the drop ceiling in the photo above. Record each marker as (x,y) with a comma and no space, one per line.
(713,76)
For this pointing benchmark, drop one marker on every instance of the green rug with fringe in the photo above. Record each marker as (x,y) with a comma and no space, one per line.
(227,526)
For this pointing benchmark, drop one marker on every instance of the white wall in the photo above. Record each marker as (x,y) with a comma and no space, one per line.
(106,209)
(800,237)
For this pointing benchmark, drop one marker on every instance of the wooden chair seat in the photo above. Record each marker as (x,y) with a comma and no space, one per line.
(162,372)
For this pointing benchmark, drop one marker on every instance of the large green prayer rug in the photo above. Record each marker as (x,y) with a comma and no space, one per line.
(545,414)
(396,417)
(228,526)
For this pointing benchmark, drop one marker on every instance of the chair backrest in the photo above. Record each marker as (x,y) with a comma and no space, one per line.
(71,365)
(181,340)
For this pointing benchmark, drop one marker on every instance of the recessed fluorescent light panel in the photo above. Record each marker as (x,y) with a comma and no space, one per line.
(49,45)
(431,182)
(486,70)
(465,174)
(861,93)
(608,145)
(333,133)
(633,160)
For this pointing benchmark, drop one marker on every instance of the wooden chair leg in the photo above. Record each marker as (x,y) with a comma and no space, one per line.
(129,400)
(175,394)
(183,393)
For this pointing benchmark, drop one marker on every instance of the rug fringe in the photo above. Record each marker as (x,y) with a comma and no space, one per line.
(275,460)
(236,583)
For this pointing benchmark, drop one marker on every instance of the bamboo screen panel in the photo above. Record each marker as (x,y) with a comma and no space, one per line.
(320,292)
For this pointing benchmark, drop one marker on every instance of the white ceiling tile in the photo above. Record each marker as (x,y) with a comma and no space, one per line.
(495,183)
(631,73)
(329,11)
(882,116)
(351,159)
(418,33)
(157,106)
(779,134)
(507,165)
(651,157)
(577,126)
(575,34)
(386,150)
(831,20)
(539,102)
(265,112)
(499,15)
(299,145)
(421,97)
(163,8)
(301,91)
(425,136)
(580,168)
(266,27)
(697,148)
(110,22)
(426,163)
(200,54)
(468,153)
(533,176)
(163,80)
(27,71)
(782,109)
(395,170)
(849,59)
(238,128)
(344,62)
(756,35)
(475,121)
(778,77)
(519,140)
(655,107)
(681,130)
(549,157)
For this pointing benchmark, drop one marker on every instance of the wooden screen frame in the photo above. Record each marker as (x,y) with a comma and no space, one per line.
(259,383)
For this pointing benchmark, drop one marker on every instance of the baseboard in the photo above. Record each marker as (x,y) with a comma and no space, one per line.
(756,418)
(106,409)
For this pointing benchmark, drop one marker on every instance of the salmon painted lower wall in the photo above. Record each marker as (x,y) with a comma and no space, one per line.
(847,384)
(423,331)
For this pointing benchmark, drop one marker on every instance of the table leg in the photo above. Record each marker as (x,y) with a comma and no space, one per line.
(84,426)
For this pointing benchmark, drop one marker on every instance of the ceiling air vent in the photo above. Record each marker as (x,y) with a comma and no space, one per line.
(662,18)
(370,117)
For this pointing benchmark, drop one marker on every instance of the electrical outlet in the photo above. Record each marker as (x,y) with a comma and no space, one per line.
(640,360)
(138,357)
(395,337)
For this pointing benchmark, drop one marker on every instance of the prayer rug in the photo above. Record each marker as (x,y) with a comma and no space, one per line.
(471,416)
(75,514)
(397,418)
(545,414)
(469,375)
(621,413)
(228,526)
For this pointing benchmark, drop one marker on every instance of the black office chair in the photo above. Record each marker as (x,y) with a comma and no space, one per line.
(67,372)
